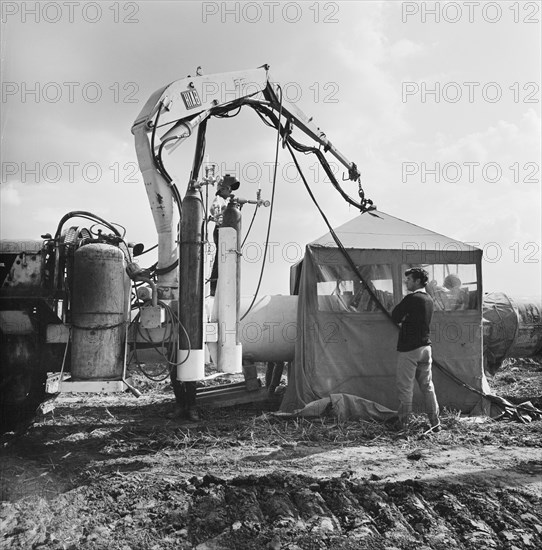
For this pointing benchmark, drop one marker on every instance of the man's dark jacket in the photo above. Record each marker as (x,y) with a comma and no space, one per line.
(414,313)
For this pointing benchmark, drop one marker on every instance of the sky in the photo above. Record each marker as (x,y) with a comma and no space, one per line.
(438,104)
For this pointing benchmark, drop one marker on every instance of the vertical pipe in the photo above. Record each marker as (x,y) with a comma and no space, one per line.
(191,352)
(232,218)
(229,349)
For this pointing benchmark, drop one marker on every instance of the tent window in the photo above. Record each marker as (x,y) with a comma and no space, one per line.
(453,287)
(339,289)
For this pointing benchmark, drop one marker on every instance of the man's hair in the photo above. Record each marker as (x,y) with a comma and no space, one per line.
(418,274)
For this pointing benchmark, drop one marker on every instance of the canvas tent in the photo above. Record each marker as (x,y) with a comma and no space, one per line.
(347,345)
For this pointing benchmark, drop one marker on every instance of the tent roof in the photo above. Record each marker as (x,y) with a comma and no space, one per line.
(382,231)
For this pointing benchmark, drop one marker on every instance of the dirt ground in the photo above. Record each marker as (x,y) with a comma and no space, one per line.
(116,472)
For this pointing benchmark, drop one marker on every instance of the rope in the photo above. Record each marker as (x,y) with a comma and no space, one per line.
(337,240)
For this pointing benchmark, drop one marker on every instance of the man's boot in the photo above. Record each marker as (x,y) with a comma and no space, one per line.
(404,421)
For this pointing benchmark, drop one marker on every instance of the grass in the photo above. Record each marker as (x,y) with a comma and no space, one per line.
(249,427)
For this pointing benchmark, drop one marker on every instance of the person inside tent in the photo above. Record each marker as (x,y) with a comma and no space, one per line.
(450,296)
(454,293)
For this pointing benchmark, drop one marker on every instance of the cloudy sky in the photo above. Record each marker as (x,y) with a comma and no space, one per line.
(438,104)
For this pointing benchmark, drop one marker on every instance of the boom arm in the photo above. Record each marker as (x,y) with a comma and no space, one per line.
(183,105)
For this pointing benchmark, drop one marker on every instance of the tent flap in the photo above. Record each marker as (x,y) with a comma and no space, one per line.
(345,407)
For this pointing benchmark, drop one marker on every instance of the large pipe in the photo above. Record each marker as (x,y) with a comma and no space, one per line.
(191,355)
(512,328)
(269,331)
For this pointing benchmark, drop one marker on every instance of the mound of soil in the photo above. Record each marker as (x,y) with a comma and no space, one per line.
(273,511)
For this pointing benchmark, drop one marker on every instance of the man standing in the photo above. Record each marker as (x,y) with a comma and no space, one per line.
(414,346)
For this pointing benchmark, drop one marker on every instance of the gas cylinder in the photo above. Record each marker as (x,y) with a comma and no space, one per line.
(100,299)
(232,218)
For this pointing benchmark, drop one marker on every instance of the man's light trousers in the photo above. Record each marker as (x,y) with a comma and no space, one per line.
(416,365)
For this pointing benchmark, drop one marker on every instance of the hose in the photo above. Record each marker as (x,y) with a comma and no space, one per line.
(270,212)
